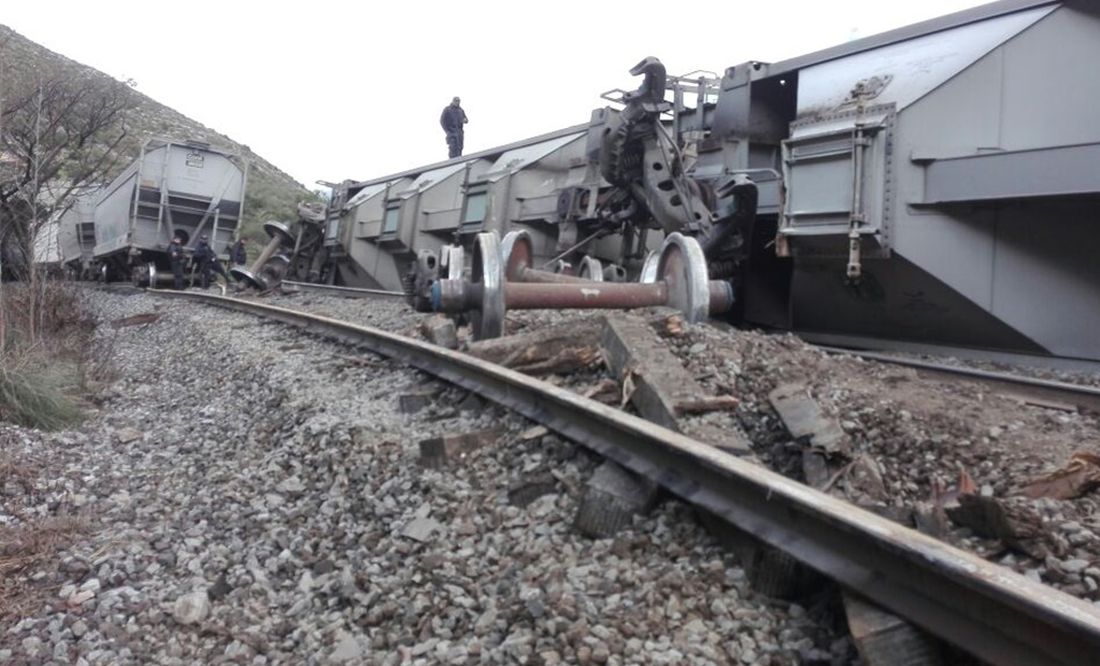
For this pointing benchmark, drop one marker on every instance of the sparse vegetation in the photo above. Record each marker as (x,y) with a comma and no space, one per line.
(46,355)
(268,198)
(36,394)
(30,547)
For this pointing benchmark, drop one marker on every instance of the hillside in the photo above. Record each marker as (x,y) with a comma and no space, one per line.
(272,194)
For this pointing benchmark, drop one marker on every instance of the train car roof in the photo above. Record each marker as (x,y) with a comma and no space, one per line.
(938,24)
(489,153)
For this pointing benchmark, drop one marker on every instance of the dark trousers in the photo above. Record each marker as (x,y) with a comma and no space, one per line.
(177,274)
(454,144)
(206,267)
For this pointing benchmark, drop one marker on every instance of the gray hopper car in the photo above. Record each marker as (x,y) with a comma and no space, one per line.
(173,188)
(938,184)
(76,234)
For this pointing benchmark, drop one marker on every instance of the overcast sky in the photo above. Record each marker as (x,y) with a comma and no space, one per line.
(331,90)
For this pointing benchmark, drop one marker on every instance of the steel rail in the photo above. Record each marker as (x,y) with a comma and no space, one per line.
(346,292)
(1081,396)
(987,610)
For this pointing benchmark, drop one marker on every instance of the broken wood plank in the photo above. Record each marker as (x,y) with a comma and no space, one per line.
(136,320)
(707,403)
(606,391)
(1077,477)
(1043,404)
(803,417)
(612,496)
(411,403)
(440,330)
(535,361)
(533,433)
(659,381)
(657,384)
(438,451)
(553,350)
(884,639)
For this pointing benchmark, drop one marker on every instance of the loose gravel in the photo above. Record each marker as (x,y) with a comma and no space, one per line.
(250,495)
(912,437)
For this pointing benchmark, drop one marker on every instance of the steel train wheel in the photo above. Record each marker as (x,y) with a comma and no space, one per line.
(683,267)
(590,269)
(516,253)
(487,272)
(649,268)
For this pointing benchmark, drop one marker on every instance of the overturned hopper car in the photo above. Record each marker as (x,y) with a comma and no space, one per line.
(938,184)
(186,189)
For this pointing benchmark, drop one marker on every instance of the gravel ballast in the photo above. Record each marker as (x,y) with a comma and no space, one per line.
(250,495)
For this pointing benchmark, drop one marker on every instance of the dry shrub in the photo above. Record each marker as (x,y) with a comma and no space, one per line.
(52,315)
(13,471)
(47,348)
(38,394)
(25,549)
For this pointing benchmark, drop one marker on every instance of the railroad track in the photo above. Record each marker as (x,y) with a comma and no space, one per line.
(345,292)
(1038,391)
(988,610)
(1031,389)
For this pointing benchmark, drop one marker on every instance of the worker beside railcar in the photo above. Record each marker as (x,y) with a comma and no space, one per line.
(175,259)
(239,254)
(208,261)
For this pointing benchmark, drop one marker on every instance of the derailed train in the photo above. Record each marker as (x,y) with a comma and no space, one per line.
(934,184)
(174,188)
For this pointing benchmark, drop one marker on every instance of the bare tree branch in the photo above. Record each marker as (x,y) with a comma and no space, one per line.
(61,132)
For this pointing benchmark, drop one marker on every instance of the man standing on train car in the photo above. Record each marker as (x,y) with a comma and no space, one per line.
(452,119)
(175,258)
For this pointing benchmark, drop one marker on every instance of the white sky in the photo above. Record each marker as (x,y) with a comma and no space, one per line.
(333,90)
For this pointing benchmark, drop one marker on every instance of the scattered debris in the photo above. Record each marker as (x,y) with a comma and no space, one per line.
(657,384)
(533,433)
(422,529)
(884,639)
(440,330)
(1077,477)
(127,435)
(438,451)
(411,403)
(547,351)
(612,497)
(191,608)
(136,320)
(529,490)
(671,325)
(803,418)
(605,391)
(704,404)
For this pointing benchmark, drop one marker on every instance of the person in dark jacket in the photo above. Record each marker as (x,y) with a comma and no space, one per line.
(239,255)
(175,258)
(452,119)
(204,254)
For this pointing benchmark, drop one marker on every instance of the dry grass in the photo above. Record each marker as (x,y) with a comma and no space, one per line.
(46,355)
(13,471)
(37,393)
(25,549)
(29,545)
